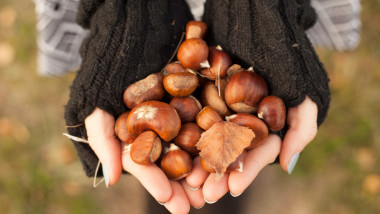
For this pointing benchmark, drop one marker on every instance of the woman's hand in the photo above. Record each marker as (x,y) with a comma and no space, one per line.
(100,127)
(200,186)
(302,122)
(102,139)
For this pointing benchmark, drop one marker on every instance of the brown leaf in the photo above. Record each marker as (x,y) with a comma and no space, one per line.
(221,144)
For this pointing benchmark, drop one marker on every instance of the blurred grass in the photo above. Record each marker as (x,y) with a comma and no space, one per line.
(40,173)
(35,160)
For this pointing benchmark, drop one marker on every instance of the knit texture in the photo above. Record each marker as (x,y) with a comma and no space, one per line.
(269,35)
(129,39)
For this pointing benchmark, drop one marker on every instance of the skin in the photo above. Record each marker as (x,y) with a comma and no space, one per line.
(199,186)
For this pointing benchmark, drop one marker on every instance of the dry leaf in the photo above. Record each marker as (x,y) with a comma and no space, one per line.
(221,144)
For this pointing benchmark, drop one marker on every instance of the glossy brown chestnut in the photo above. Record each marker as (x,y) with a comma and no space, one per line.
(121,129)
(186,107)
(174,67)
(244,91)
(219,61)
(237,165)
(176,163)
(193,54)
(188,137)
(157,116)
(196,29)
(210,97)
(207,117)
(273,111)
(232,70)
(180,84)
(149,88)
(254,123)
(146,149)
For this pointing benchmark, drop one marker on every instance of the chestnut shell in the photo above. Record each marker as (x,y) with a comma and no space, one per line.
(149,88)
(186,107)
(121,129)
(219,61)
(157,116)
(180,84)
(188,137)
(244,91)
(193,53)
(273,111)
(146,149)
(176,163)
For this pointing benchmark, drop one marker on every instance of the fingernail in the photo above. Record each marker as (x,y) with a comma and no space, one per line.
(106,175)
(193,188)
(199,207)
(162,203)
(292,163)
(233,195)
(210,202)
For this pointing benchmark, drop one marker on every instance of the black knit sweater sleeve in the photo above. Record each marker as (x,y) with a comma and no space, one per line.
(269,35)
(129,40)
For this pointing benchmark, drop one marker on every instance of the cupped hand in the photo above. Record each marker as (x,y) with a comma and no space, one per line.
(302,123)
(101,137)
(174,195)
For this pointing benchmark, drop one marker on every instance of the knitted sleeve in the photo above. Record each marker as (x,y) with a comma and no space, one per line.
(129,39)
(270,36)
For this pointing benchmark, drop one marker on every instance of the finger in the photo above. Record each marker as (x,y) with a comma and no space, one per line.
(215,188)
(195,197)
(101,137)
(197,176)
(178,203)
(255,161)
(150,176)
(302,122)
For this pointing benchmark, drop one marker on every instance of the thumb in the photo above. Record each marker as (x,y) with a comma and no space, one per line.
(302,122)
(101,136)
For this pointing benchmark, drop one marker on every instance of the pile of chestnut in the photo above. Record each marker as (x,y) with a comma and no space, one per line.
(172,109)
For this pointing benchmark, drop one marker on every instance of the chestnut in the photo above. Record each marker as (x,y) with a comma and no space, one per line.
(219,61)
(186,107)
(176,163)
(173,68)
(210,97)
(273,111)
(207,117)
(188,137)
(146,149)
(244,91)
(254,123)
(193,54)
(180,84)
(157,116)
(149,88)
(234,69)
(196,29)
(121,129)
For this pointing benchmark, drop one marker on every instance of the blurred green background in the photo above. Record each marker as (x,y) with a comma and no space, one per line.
(39,172)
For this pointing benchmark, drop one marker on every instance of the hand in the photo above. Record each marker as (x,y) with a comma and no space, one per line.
(102,139)
(302,122)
